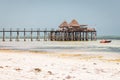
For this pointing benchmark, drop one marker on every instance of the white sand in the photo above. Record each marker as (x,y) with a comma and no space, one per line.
(17,65)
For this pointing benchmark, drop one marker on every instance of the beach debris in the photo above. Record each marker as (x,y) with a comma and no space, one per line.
(37,70)
(18,69)
(84,68)
(98,71)
(88,72)
(68,77)
(9,59)
(95,63)
(117,63)
(6,66)
(1,66)
(50,73)
(116,73)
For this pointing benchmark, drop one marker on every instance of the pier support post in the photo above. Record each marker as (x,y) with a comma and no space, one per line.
(51,34)
(95,38)
(95,35)
(10,34)
(24,35)
(91,36)
(80,35)
(72,36)
(45,34)
(55,35)
(83,36)
(17,39)
(66,35)
(63,35)
(86,36)
(3,34)
(51,38)
(38,34)
(60,36)
(31,34)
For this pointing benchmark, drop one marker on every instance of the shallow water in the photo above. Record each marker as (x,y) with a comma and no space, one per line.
(57,46)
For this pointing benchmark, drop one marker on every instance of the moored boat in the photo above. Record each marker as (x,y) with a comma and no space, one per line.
(105,41)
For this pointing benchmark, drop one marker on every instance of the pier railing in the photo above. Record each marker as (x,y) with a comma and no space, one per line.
(46,35)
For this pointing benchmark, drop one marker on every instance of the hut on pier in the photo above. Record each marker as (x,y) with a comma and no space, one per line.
(74,25)
(64,26)
(74,32)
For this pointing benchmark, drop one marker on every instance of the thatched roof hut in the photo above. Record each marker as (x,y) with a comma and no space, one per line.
(64,25)
(74,24)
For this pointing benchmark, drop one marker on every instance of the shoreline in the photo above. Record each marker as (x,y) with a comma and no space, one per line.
(84,56)
(77,55)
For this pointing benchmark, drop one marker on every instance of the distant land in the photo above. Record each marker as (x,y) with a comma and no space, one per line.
(109,37)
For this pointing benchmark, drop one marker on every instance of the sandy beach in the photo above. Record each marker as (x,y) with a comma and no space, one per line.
(30,65)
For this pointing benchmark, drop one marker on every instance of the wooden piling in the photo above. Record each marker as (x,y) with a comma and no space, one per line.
(55,36)
(31,34)
(86,36)
(80,35)
(3,34)
(72,36)
(91,36)
(24,35)
(38,34)
(83,36)
(10,34)
(63,36)
(95,35)
(51,38)
(17,38)
(45,34)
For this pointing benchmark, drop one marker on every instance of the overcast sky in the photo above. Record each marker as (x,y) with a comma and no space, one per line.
(104,15)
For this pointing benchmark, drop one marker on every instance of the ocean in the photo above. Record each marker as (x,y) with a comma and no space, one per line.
(62,46)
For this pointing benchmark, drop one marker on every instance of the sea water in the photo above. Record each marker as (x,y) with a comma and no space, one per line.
(59,46)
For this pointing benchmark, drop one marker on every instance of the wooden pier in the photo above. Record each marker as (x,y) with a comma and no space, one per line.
(46,35)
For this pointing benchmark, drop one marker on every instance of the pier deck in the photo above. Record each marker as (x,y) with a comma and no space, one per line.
(46,35)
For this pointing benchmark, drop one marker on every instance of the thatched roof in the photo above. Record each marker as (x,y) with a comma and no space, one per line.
(74,23)
(63,24)
(83,25)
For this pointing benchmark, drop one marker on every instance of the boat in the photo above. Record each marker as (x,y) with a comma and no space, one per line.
(105,41)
